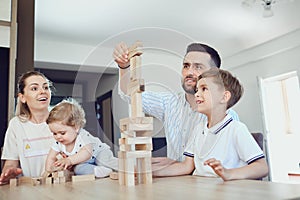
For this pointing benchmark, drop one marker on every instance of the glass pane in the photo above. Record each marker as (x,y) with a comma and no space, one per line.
(4,36)
(5,10)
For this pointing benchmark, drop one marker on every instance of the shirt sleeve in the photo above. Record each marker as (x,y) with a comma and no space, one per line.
(190,147)
(154,103)
(248,150)
(10,149)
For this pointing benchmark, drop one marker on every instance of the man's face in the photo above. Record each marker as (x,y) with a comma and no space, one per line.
(194,64)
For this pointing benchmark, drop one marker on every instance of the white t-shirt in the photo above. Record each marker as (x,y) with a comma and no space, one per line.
(29,143)
(228,141)
(82,140)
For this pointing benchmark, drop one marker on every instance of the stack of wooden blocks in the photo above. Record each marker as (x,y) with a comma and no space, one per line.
(136,131)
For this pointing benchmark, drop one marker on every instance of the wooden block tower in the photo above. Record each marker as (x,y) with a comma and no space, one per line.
(136,131)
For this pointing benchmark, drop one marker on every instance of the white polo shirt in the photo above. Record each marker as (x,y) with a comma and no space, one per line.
(228,141)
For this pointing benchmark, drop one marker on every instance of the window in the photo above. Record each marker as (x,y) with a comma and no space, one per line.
(280,99)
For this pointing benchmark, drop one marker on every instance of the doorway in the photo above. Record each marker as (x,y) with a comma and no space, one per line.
(105,118)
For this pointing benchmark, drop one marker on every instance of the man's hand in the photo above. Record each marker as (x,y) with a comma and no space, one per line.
(120,55)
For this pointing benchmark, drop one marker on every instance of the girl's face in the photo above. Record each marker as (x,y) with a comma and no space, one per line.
(63,134)
(37,93)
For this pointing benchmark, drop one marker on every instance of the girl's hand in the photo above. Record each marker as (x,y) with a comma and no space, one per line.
(64,163)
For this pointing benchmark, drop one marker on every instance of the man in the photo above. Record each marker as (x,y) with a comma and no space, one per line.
(177,112)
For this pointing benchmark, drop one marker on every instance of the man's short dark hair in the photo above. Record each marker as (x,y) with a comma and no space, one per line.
(215,57)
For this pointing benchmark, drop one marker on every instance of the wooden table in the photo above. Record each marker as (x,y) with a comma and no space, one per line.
(184,187)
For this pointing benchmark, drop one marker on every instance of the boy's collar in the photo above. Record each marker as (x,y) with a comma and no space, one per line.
(219,126)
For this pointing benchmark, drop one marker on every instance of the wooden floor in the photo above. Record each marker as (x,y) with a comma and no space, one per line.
(185,187)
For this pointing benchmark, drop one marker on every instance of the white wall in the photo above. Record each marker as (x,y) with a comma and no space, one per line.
(276,57)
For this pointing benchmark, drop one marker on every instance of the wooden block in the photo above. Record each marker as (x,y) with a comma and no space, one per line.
(126,170)
(56,180)
(46,180)
(136,45)
(138,128)
(114,176)
(36,181)
(13,182)
(49,181)
(144,133)
(136,120)
(137,85)
(24,180)
(55,174)
(126,134)
(129,171)
(135,52)
(135,68)
(123,147)
(136,105)
(66,173)
(121,171)
(79,178)
(143,147)
(146,171)
(62,179)
(136,140)
(134,154)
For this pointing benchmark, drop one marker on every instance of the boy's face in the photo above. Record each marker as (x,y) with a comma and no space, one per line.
(63,134)
(208,96)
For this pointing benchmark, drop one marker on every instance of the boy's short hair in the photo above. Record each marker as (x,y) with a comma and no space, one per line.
(228,81)
(199,47)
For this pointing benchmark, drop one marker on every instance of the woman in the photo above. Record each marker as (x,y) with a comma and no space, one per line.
(28,137)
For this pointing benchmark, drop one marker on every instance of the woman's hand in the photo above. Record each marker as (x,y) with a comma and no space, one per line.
(8,173)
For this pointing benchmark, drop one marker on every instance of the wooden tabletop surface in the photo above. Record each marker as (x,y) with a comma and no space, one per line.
(184,187)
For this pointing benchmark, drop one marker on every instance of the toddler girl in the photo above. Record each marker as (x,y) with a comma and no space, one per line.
(85,152)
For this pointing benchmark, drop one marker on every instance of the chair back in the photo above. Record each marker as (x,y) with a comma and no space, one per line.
(259,138)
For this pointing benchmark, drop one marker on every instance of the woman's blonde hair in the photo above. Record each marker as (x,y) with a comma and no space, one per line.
(22,109)
(69,113)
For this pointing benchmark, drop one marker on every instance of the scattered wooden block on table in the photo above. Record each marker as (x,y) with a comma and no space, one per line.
(114,176)
(13,182)
(79,178)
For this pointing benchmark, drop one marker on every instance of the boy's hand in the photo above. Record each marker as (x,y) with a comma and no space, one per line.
(9,173)
(218,168)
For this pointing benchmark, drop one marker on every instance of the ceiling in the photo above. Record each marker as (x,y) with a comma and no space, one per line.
(226,25)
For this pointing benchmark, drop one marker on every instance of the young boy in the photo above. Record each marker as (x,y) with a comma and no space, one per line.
(220,146)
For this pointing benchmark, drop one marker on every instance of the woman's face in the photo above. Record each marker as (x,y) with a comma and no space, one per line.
(37,94)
